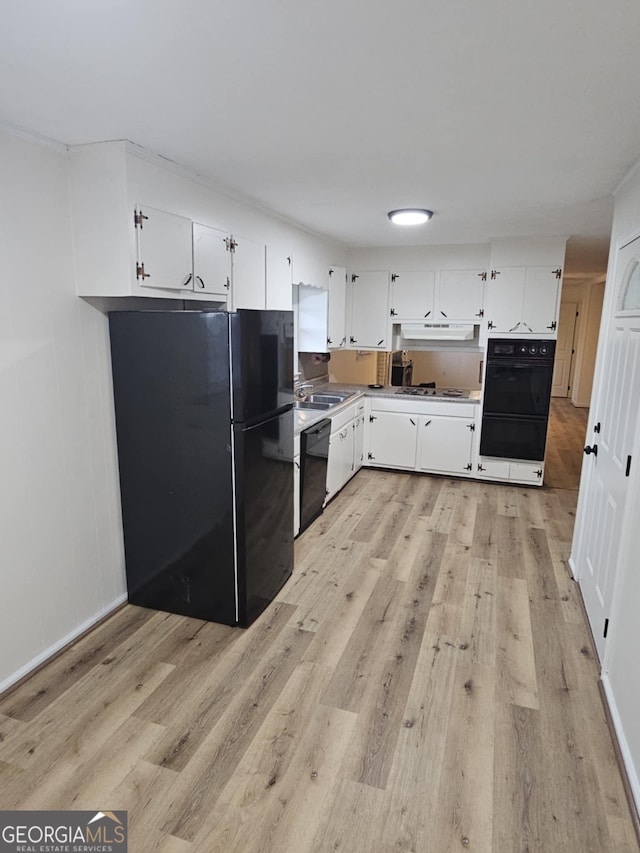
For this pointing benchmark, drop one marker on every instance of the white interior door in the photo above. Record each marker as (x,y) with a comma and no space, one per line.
(564,350)
(606,476)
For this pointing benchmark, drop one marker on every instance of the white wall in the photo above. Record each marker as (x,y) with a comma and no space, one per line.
(474,256)
(60,525)
(62,563)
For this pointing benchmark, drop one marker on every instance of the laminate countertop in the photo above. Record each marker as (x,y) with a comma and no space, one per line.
(305,418)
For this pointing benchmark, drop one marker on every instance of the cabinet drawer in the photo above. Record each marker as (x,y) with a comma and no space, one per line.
(417,406)
(515,472)
(342,417)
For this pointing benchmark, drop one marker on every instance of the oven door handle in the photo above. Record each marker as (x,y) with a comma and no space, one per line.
(505,362)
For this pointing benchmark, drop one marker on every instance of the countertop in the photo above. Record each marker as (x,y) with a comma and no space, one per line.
(306,418)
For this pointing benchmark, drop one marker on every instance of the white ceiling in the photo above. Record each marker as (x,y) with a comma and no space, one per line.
(506,118)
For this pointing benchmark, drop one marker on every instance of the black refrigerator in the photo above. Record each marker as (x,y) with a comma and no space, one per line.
(204,421)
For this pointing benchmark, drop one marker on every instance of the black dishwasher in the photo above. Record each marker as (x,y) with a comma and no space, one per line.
(314,455)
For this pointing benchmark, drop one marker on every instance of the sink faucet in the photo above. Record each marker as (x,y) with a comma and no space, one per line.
(301,390)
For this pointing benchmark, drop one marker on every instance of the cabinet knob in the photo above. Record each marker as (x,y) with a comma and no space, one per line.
(591,449)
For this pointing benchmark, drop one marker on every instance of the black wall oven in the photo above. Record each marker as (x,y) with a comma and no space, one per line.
(517,393)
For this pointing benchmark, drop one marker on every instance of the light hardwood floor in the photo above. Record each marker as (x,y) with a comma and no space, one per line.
(425,682)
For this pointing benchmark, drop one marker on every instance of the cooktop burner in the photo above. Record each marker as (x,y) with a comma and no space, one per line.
(419,391)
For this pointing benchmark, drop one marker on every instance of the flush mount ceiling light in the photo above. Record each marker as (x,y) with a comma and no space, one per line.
(410,216)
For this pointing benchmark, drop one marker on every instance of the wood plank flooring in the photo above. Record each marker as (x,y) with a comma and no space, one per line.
(425,682)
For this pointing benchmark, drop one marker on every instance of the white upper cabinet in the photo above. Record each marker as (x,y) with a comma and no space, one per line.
(437,296)
(141,229)
(211,261)
(313,310)
(505,293)
(541,301)
(523,300)
(337,332)
(370,327)
(248,274)
(164,250)
(460,295)
(413,295)
(279,278)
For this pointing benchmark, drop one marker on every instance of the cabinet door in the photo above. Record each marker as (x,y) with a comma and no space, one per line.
(490,468)
(164,247)
(370,328)
(392,440)
(248,279)
(211,261)
(505,293)
(337,334)
(340,459)
(445,444)
(413,295)
(313,307)
(526,472)
(540,306)
(296,494)
(358,441)
(460,295)
(279,279)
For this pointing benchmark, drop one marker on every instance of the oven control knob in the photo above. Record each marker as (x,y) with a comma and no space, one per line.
(533,350)
(522,350)
(544,350)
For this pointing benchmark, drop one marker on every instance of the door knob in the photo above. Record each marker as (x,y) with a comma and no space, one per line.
(593,450)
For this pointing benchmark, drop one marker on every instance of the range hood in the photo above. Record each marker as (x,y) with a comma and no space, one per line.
(437,331)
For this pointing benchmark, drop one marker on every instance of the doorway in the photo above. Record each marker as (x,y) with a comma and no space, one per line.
(565,349)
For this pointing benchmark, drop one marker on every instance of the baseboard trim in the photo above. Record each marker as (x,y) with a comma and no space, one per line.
(622,751)
(48,654)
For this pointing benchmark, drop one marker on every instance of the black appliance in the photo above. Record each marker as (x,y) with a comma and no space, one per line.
(204,418)
(517,394)
(314,456)
(401,373)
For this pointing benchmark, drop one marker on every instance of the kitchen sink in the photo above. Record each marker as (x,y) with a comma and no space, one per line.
(332,399)
(312,405)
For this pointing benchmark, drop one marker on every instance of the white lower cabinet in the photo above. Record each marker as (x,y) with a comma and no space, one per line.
(346,446)
(296,485)
(489,468)
(340,467)
(445,444)
(358,437)
(436,436)
(392,439)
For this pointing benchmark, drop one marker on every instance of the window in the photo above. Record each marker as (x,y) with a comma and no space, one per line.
(630,295)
